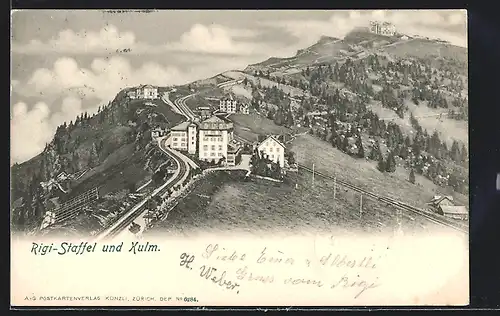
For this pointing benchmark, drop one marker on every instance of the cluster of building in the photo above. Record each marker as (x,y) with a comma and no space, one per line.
(213,140)
(382,28)
(229,105)
(147,91)
(444,205)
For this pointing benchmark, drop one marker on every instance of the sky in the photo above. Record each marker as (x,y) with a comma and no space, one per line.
(64,62)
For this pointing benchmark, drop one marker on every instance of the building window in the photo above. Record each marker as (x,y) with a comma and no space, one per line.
(213,147)
(205,147)
(220,154)
(212,154)
(174,145)
(220,147)
(278,150)
(183,139)
(183,144)
(175,139)
(272,157)
(192,138)
(205,154)
(271,149)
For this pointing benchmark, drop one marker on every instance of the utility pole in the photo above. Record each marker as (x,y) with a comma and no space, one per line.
(313,176)
(334,187)
(360,205)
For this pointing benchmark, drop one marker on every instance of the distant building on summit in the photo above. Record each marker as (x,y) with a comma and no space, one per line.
(144,92)
(382,28)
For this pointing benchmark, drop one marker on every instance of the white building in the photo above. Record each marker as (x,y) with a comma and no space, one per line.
(183,137)
(227,105)
(215,134)
(273,149)
(157,132)
(382,28)
(243,108)
(144,92)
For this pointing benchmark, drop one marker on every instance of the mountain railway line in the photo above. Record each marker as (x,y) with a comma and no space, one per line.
(140,208)
(390,201)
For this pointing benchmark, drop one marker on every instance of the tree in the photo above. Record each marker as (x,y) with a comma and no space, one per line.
(455,154)
(381,164)
(412,176)
(390,165)
(361,150)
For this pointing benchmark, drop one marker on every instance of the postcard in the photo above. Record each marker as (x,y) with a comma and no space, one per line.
(239,158)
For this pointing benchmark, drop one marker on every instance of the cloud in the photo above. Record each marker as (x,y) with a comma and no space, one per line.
(217,39)
(448,25)
(106,40)
(32,129)
(101,81)
(213,39)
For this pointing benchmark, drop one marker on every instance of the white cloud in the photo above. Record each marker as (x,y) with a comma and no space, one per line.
(108,39)
(431,23)
(32,129)
(217,39)
(102,81)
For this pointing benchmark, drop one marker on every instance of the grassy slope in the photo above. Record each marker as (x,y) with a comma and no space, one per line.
(251,125)
(364,174)
(260,206)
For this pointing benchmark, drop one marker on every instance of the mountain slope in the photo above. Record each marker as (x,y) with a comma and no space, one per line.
(110,150)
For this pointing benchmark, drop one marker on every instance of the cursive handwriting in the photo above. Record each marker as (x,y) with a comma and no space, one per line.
(230,256)
(344,261)
(345,282)
(186,260)
(207,272)
(297,281)
(265,258)
(244,274)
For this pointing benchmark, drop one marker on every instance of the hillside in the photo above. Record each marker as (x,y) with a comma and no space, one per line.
(359,41)
(110,150)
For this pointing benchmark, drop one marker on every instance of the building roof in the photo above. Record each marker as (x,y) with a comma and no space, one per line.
(273,138)
(142,86)
(181,127)
(437,199)
(233,148)
(216,122)
(456,210)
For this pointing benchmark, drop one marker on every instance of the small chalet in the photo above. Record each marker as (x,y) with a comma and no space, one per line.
(444,205)
(243,108)
(205,112)
(157,132)
(273,149)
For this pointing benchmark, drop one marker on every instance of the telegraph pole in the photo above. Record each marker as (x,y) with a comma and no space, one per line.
(334,187)
(360,205)
(313,176)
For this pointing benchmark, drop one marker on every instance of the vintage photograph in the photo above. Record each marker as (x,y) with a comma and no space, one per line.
(130,124)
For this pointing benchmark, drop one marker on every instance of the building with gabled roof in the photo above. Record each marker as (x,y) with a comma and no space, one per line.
(444,205)
(273,149)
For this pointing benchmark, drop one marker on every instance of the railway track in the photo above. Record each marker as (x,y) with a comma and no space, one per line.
(391,201)
(139,208)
